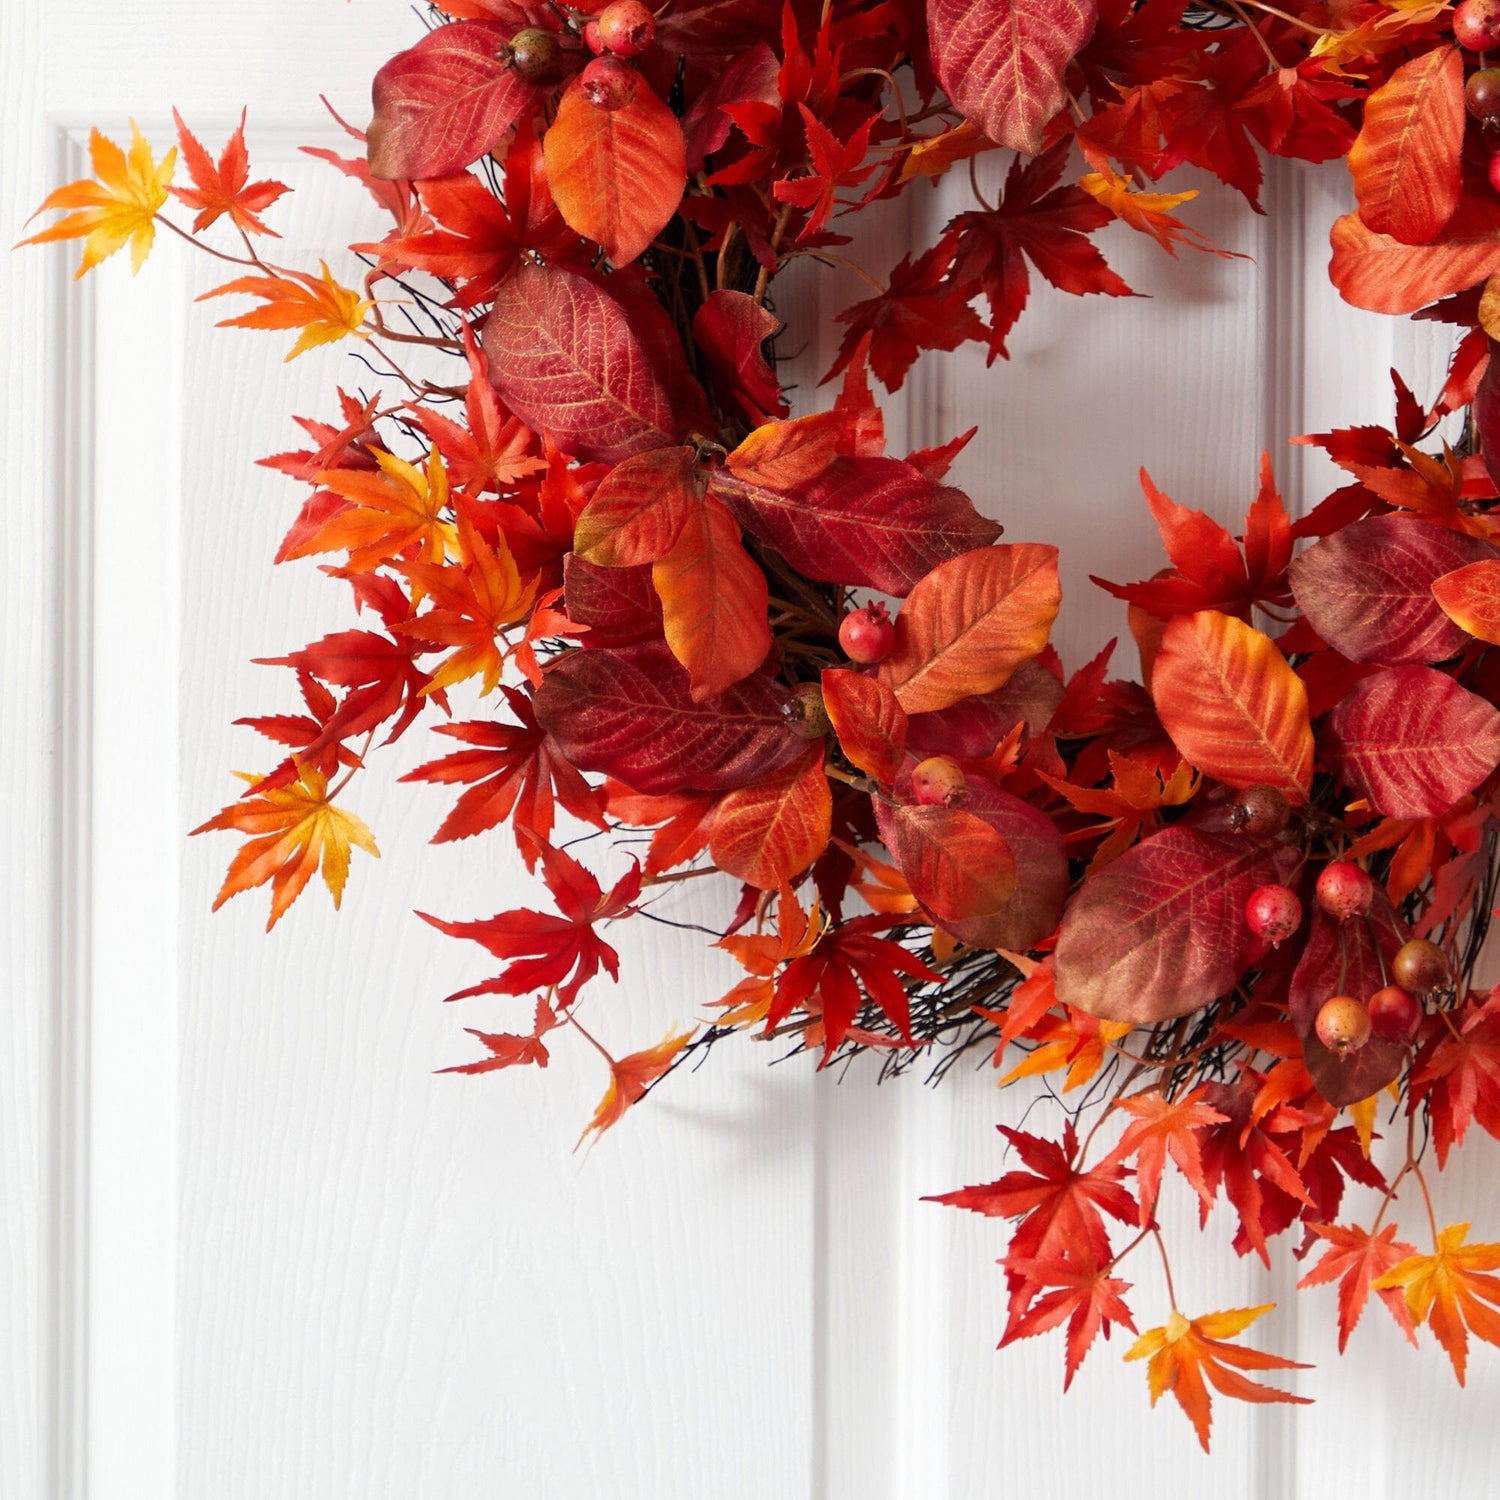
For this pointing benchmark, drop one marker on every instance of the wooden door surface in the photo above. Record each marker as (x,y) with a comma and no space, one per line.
(253,1246)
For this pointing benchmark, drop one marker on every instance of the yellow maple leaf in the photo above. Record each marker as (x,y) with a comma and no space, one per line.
(293,828)
(116,206)
(1447,1291)
(1149,213)
(322,308)
(630,1077)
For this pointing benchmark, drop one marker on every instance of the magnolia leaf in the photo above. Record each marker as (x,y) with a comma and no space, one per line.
(971,622)
(783,455)
(1486,412)
(877,522)
(767,833)
(1405,161)
(638,510)
(445,102)
(1232,705)
(617,174)
(731,328)
(1378,272)
(870,723)
(1002,62)
(566,359)
(1161,931)
(1412,741)
(1368,589)
(630,713)
(618,605)
(974,726)
(957,865)
(1470,597)
(713,600)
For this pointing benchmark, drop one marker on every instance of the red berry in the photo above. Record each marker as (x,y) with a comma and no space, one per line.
(591,37)
(1395,1015)
(626,27)
(867,634)
(1262,811)
(608,83)
(1273,913)
(937,781)
(1421,966)
(1344,890)
(536,55)
(1343,1024)
(807,713)
(1482,94)
(1476,25)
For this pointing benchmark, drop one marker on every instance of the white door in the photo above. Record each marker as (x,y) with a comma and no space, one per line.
(252,1246)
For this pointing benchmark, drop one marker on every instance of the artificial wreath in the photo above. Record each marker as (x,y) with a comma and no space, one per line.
(1240,900)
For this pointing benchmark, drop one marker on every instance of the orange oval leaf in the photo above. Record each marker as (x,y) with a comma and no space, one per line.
(638,510)
(870,723)
(767,833)
(957,866)
(1232,705)
(1378,272)
(1470,597)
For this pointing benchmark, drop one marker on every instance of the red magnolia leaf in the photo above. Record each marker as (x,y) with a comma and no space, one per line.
(630,1078)
(1378,272)
(713,600)
(1159,1126)
(617,174)
(1232,705)
(1036,221)
(630,714)
(1002,62)
(870,724)
(638,510)
(766,833)
(1448,1291)
(877,522)
(956,864)
(1405,161)
(1486,411)
(1413,741)
(1185,1351)
(445,102)
(1470,597)
(731,328)
(974,726)
(511,768)
(618,605)
(1162,931)
(971,622)
(565,358)
(224,189)
(1085,1296)
(546,951)
(1369,589)
(1355,1258)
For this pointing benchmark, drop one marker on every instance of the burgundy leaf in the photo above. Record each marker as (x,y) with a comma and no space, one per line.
(619,605)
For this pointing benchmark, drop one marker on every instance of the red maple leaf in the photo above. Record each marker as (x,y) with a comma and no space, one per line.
(1082,1293)
(1160,1126)
(546,952)
(346,447)
(1356,1258)
(835,164)
(1458,1077)
(1207,122)
(1038,221)
(225,188)
(509,1049)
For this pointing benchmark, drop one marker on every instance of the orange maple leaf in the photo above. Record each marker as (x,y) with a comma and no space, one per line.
(1160,1126)
(389,512)
(1147,212)
(116,206)
(1082,1293)
(1128,805)
(630,1077)
(293,828)
(1076,1041)
(1448,1291)
(323,309)
(762,954)
(1356,1258)
(1186,1350)
(224,189)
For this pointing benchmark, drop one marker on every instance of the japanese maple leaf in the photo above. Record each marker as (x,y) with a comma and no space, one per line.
(1356,1259)
(761,954)
(920,309)
(1147,213)
(1209,570)
(1037,221)
(1073,1040)
(305,734)
(1059,1206)
(1207,123)
(1132,45)
(117,206)
(1160,1126)
(1292,114)
(1185,1351)
(545,952)
(399,510)
(225,188)
(1129,806)
(508,1049)
(491,449)
(1083,1294)
(292,829)
(1428,486)
(346,447)
(828,980)
(630,1078)
(473,602)
(681,822)
(321,307)
(835,164)
(1458,1079)
(1449,1291)
(511,769)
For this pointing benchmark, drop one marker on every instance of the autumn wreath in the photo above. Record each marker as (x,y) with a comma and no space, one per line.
(1240,899)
